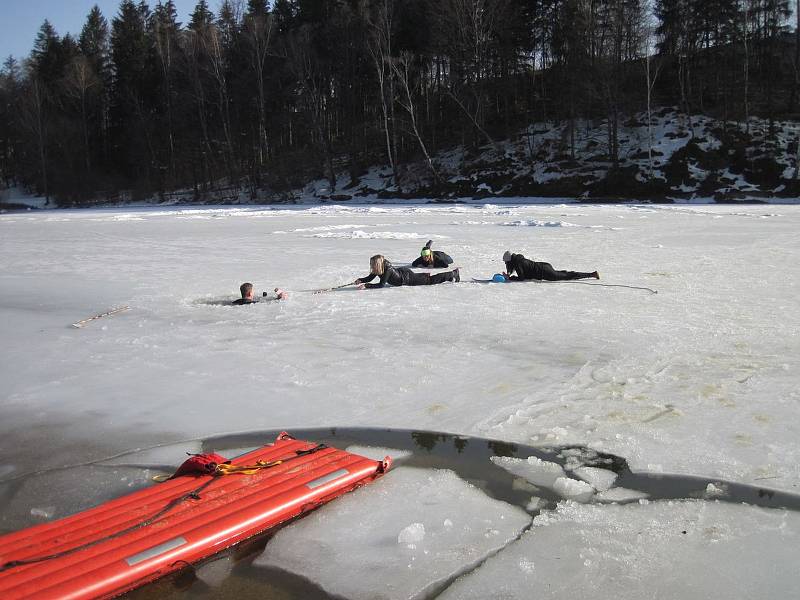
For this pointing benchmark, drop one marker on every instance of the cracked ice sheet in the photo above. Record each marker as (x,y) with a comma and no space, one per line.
(664,550)
(700,378)
(378,453)
(401,537)
(31,499)
(159,456)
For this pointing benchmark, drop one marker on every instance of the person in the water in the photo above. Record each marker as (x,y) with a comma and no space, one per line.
(247,295)
(529,269)
(246,290)
(391,275)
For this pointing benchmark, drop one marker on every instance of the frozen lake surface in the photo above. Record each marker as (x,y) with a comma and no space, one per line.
(699,379)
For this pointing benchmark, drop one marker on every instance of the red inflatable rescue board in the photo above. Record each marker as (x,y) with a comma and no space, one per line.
(122,544)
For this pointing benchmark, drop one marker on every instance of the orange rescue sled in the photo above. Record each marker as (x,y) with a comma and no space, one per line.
(122,544)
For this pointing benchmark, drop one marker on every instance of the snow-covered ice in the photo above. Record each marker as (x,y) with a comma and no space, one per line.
(699,379)
(533,469)
(402,537)
(620,495)
(169,454)
(378,453)
(573,489)
(213,573)
(600,479)
(666,550)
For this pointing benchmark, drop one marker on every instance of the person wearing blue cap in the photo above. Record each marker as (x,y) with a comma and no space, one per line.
(529,269)
(432,259)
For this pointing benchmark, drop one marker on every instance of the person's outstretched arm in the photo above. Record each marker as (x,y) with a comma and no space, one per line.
(381,283)
(510,268)
(418,263)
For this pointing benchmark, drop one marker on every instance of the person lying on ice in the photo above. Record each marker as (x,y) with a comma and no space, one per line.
(247,295)
(380,267)
(528,269)
(432,259)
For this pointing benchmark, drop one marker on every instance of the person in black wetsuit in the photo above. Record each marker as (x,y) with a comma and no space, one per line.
(389,274)
(247,295)
(432,259)
(528,269)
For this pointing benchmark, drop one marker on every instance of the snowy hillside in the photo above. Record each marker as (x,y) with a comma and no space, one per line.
(695,159)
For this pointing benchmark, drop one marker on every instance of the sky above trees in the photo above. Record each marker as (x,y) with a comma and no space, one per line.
(20,21)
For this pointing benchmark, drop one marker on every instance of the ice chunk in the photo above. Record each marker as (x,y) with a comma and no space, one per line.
(572,489)
(599,479)
(378,453)
(716,490)
(535,504)
(412,534)
(358,234)
(532,469)
(522,484)
(576,458)
(351,547)
(44,513)
(215,572)
(620,495)
(633,551)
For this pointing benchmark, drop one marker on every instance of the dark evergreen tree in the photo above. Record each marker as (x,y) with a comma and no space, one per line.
(202,17)
(257,40)
(132,148)
(94,47)
(199,72)
(166,54)
(10,81)
(46,58)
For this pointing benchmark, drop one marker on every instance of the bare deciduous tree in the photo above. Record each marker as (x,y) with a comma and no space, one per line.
(258,35)
(401,67)
(78,83)
(314,85)
(34,119)
(379,45)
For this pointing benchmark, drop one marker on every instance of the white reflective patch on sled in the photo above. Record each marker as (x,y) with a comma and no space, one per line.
(155,551)
(326,478)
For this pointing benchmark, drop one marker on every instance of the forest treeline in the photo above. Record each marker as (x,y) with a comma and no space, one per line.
(262,96)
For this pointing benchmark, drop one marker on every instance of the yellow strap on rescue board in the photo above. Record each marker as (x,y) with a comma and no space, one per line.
(228,469)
